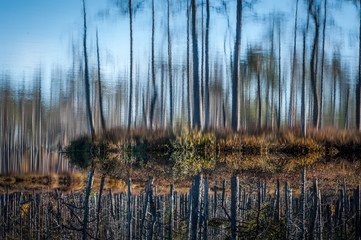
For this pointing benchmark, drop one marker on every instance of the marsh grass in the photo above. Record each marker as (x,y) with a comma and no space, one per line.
(178,156)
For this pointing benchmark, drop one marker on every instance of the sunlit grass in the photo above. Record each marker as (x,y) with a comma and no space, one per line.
(177,157)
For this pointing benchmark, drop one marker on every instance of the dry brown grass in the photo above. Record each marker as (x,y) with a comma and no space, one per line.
(260,155)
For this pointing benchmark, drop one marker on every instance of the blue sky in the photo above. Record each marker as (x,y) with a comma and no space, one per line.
(40,32)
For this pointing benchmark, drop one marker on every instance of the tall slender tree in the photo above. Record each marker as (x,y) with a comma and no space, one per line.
(196,98)
(154,98)
(170,74)
(314,11)
(358,89)
(189,85)
(272,60)
(131,66)
(207,110)
(100,88)
(336,72)
(346,126)
(91,128)
(279,78)
(258,70)
(303,96)
(236,64)
(291,110)
(86,73)
(320,124)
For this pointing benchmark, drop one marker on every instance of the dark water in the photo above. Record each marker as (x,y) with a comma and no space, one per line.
(42,70)
(207,211)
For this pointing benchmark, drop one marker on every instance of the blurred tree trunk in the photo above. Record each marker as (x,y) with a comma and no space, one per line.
(87,87)
(272,77)
(154,98)
(162,99)
(259,92)
(267,101)
(170,74)
(320,125)
(336,71)
(38,133)
(131,65)
(189,88)
(207,111)
(100,89)
(314,11)
(346,107)
(279,79)
(201,98)
(358,89)
(334,101)
(291,110)
(196,101)
(236,63)
(303,97)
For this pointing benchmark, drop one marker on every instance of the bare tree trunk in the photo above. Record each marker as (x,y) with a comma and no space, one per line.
(86,203)
(279,79)
(278,200)
(358,89)
(195,204)
(287,211)
(207,110)
(170,75)
(272,76)
(334,101)
(291,110)
(320,125)
(189,212)
(315,16)
(20,215)
(319,218)
(346,107)
(202,70)
(189,99)
(99,203)
(358,220)
(87,87)
(234,202)
(153,211)
(205,208)
(267,101)
(129,215)
(236,63)
(162,100)
(170,229)
(100,89)
(259,93)
(196,101)
(303,205)
(131,66)
(303,100)
(154,98)
(148,191)
(314,211)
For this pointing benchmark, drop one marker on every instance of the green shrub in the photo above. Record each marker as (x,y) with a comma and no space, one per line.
(81,152)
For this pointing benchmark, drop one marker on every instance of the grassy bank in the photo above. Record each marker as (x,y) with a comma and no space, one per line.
(328,142)
(177,156)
